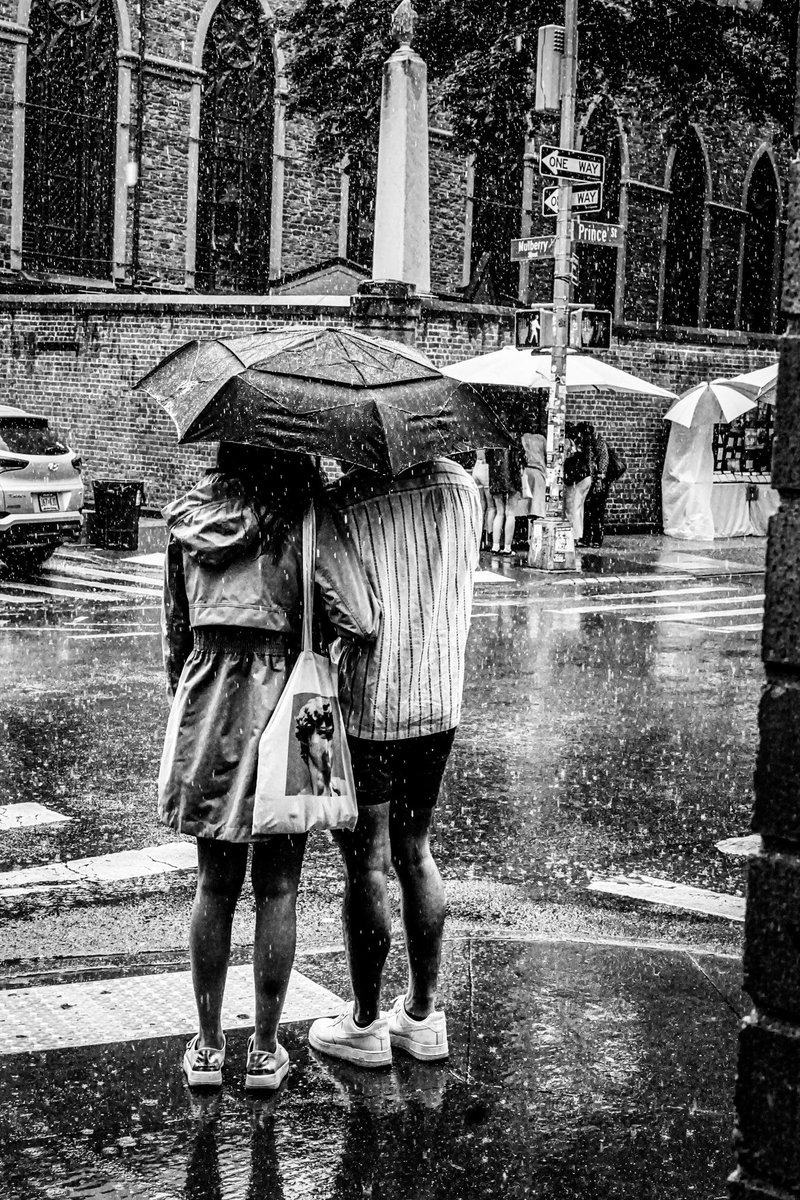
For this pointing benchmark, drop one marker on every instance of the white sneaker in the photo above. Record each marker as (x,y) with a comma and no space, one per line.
(426,1039)
(265,1069)
(203,1065)
(340,1037)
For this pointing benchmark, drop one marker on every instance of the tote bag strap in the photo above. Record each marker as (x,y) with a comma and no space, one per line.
(309,560)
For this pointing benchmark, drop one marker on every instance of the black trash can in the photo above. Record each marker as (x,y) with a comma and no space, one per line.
(117,506)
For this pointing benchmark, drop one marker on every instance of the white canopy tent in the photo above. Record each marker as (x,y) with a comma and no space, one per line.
(511,367)
(695,506)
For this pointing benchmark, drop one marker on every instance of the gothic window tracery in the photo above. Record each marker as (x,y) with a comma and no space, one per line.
(235,158)
(758,311)
(684,248)
(597,273)
(70,114)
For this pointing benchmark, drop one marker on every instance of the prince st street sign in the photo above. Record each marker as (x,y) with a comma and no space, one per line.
(555,163)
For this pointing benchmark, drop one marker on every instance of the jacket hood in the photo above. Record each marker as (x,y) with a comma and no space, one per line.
(215,522)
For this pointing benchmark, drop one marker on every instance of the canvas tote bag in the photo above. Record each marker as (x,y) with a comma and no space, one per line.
(305,778)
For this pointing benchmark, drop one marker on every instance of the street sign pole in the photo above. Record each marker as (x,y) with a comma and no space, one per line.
(552,542)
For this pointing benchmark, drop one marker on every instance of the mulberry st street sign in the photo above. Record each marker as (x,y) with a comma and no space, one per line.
(586,197)
(524,249)
(555,163)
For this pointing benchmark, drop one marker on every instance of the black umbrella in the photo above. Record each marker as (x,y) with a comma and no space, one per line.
(323,390)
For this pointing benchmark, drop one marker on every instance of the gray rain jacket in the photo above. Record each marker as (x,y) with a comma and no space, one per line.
(217,572)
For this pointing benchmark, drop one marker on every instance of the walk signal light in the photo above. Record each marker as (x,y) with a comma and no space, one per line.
(590,328)
(534,328)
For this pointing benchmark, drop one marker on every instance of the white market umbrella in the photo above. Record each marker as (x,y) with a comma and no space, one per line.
(708,403)
(760,384)
(510,367)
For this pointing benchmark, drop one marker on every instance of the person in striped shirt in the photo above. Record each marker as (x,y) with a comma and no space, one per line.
(418,536)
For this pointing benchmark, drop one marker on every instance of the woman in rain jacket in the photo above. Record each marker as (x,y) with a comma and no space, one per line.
(231,627)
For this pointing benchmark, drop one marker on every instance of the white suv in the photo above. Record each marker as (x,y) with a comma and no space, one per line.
(41,491)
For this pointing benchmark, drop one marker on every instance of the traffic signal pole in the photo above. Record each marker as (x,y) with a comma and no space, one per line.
(552,543)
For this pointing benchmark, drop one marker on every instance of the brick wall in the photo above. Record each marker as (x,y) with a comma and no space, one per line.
(86,389)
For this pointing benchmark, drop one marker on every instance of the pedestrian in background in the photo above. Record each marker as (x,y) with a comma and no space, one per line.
(504,482)
(418,536)
(534,446)
(577,478)
(594,513)
(231,627)
(480,473)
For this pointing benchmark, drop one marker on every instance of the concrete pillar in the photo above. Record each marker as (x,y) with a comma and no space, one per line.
(401,247)
(386,309)
(768,1084)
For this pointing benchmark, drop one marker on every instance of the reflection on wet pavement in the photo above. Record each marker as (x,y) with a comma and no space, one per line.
(576,1070)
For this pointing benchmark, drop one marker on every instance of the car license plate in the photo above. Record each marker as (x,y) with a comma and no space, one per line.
(48,502)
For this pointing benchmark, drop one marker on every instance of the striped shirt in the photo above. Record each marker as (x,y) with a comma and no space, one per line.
(418,536)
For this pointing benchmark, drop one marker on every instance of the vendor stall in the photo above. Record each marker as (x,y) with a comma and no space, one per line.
(716,481)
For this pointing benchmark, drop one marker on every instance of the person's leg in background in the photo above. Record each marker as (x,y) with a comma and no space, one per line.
(594,514)
(499,523)
(579,500)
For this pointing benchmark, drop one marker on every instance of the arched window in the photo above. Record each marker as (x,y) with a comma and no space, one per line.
(235,154)
(70,117)
(597,269)
(684,248)
(496,215)
(758,268)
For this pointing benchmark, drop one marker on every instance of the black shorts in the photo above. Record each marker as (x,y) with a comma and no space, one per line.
(407,772)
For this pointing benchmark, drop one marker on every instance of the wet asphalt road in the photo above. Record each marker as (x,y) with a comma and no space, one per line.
(592,742)
(596,739)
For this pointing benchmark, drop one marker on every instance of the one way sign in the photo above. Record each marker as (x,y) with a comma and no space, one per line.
(555,163)
(586,197)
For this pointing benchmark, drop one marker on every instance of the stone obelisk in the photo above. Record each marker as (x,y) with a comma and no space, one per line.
(402,226)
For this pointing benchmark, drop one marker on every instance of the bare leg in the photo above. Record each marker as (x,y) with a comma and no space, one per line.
(423,906)
(488,520)
(276,876)
(366,917)
(220,874)
(499,520)
(508,529)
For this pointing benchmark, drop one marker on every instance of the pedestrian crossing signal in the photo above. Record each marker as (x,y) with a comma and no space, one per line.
(534,328)
(589,328)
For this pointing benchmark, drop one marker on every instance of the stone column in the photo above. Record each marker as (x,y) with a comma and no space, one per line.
(386,309)
(768,1084)
(401,248)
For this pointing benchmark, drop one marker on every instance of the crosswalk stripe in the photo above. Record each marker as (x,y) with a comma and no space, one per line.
(698,616)
(134,1007)
(120,588)
(95,637)
(747,598)
(101,868)
(728,628)
(57,591)
(28,813)
(673,895)
(147,579)
(655,593)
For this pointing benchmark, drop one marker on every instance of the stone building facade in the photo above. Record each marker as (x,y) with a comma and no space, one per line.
(153,189)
